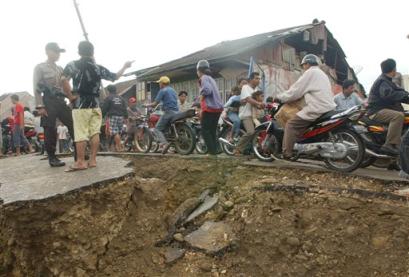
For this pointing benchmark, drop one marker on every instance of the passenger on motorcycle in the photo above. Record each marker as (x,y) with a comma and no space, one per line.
(168,97)
(347,98)
(232,111)
(384,105)
(314,86)
(246,111)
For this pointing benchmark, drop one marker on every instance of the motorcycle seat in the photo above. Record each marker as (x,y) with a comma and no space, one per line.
(326,116)
(183,115)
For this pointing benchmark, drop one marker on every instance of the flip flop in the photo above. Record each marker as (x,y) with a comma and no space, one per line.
(72,169)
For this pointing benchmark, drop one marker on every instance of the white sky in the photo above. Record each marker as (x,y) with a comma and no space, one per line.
(155,31)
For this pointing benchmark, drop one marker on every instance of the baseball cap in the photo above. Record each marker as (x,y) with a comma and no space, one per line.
(53,46)
(163,80)
(132,100)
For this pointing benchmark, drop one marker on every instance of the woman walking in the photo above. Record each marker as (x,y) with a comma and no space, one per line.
(211,105)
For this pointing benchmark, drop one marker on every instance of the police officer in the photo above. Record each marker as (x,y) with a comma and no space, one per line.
(50,100)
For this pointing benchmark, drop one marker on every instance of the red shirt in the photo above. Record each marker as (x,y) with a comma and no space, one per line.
(19,109)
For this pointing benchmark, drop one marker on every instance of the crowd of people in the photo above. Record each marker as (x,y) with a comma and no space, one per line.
(83,121)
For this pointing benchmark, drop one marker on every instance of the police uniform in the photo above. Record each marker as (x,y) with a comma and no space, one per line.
(49,94)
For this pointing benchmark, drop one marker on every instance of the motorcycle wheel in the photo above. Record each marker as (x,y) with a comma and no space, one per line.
(264,155)
(186,140)
(201,147)
(143,140)
(354,158)
(229,150)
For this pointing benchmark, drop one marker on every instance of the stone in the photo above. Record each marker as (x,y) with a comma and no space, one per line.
(173,254)
(207,204)
(228,204)
(205,266)
(178,237)
(212,237)
(380,242)
(81,273)
(351,231)
(276,209)
(293,241)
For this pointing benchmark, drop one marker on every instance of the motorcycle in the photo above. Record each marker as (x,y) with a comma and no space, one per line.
(140,137)
(179,134)
(374,135)
(31,135)
(331,138)
(229,146)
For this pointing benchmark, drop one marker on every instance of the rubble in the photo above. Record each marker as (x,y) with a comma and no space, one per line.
(212,237)
(276,226)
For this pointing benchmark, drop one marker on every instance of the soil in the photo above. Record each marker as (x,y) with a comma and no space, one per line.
(285,222)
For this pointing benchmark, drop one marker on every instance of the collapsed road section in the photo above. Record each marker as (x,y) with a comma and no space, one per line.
(201,217)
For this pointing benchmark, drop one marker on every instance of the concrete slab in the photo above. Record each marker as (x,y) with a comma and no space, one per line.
(28,177)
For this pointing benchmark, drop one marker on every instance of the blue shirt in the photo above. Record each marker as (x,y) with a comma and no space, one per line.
(344,103)
(169,99)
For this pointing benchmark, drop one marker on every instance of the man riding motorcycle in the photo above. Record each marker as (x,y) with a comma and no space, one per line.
(384,105)
(314,86)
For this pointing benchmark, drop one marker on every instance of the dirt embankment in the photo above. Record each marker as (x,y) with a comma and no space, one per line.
(285,223)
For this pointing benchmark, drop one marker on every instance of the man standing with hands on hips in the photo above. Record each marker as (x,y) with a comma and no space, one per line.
(50,100)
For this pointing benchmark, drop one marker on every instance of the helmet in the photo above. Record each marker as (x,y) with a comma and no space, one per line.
(311,59)
(132,100)
(203,64)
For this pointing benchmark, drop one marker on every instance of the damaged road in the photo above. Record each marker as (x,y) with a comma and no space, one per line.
(214,218)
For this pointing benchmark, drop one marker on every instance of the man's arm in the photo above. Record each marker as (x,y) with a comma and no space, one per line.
(36,81)
(388,93)
(206,88)
(297,90)
(121,72)
(245,97)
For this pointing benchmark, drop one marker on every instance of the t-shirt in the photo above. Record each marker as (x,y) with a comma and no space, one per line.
(62,132)
(246,110)
(17,111)
(28,119)
(344,103)
(169,99)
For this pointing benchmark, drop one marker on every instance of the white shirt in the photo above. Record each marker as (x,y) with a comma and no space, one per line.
(62,132)
(246,110)
(28,119)
(315,87)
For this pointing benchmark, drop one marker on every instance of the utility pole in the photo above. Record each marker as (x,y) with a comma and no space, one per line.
(80,19)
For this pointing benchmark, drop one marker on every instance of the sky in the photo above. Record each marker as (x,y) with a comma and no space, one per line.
(152,32)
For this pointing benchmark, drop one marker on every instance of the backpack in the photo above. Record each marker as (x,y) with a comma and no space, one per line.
(90,78)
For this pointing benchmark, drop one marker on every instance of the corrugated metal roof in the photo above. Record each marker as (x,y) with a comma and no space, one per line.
(223,50)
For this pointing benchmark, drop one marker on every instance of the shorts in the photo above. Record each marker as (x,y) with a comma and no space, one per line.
(116,124)
(87,123)
(18,137)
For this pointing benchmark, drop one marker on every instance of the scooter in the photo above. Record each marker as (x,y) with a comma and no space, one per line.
(374,135)
(331,138)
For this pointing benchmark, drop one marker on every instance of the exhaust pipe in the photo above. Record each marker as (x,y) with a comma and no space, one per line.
(370,152)
(225,141)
